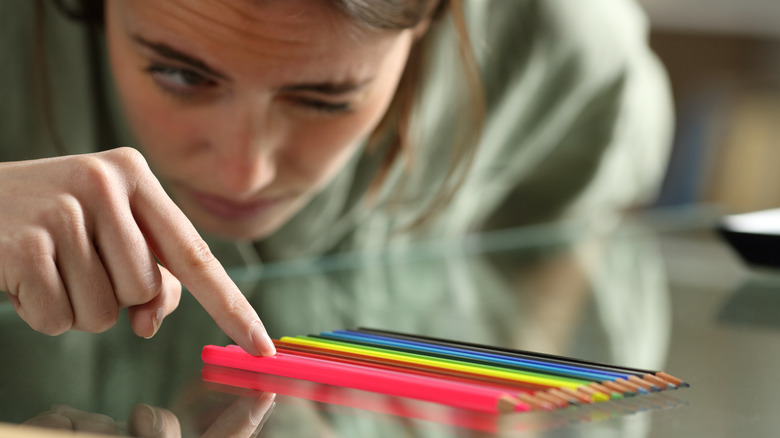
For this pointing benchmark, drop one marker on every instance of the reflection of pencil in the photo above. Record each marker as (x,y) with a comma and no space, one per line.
(351,398)
(462,395)
(654,377)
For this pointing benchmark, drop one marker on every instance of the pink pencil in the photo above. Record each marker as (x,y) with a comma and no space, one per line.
(462,395)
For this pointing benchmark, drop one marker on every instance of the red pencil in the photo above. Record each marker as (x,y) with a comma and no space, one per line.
(461,395)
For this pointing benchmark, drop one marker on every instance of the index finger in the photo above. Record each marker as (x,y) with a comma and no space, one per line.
(180,248)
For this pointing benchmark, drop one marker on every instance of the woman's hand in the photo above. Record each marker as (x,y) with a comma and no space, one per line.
(78,240)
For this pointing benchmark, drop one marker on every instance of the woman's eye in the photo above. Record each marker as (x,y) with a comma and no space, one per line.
(178,80)
(324,106)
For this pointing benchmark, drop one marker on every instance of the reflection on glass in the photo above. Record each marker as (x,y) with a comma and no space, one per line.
(595,295)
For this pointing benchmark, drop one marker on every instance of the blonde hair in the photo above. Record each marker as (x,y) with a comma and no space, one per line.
(406,14)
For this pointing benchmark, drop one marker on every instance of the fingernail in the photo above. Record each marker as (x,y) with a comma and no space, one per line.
(156,321)
(261,340)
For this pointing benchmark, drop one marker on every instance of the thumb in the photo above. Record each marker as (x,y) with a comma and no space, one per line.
(145,319)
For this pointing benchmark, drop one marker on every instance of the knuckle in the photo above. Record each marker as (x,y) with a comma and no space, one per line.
(102,179)
(236,305)
(198,255)
(95,170)
(52,324)
(130,159)
(68,214)
(128,155)
(101,321)
(132,166)
(31,244)
(29,256)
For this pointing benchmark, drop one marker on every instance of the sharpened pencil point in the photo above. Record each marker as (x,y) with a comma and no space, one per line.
(669,378)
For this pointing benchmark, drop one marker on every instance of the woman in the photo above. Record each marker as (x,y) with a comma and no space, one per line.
(285,129)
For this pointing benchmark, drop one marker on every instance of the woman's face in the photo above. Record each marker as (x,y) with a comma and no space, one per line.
(247,108)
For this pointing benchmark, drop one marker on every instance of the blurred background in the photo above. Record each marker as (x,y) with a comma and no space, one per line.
(723,59)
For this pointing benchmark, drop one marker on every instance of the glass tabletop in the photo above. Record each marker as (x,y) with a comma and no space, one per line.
(656,290)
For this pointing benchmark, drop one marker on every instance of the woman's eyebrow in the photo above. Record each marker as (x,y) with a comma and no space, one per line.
(169,52)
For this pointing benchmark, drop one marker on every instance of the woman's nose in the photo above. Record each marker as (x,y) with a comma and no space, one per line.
(245,173)
(247,153)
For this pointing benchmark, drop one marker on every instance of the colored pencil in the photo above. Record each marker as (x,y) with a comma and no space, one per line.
(654,377)
(458,374)
(548,381)
(475,357)
(462,395)
(533,378)
(509,385)
(488,359)
(378,365)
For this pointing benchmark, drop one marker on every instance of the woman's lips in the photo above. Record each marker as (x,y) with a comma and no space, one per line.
(231,210)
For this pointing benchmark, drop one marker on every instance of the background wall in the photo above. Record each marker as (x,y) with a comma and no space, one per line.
(723,58)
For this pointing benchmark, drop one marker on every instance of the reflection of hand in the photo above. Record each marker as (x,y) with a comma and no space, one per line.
(144,421)
(68,418)
(244,418)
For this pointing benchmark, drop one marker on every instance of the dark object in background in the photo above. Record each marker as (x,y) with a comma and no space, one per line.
(754,236)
